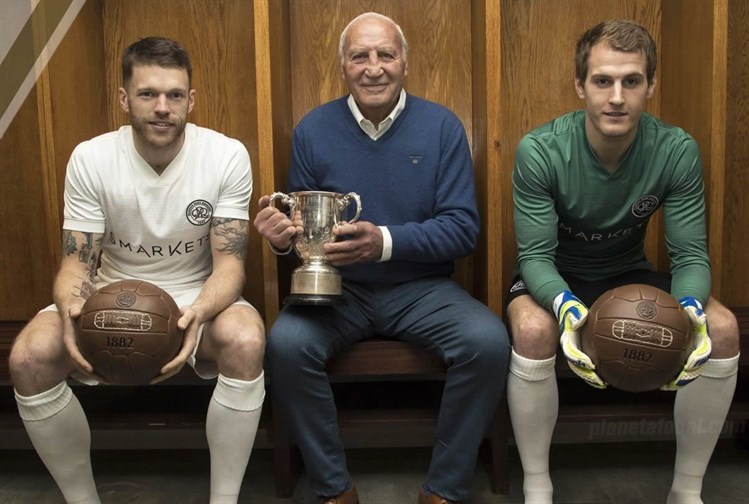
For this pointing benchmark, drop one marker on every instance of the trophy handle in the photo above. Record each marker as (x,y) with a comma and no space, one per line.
(286,200)
(345,200)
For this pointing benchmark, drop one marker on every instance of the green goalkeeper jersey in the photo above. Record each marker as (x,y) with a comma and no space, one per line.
(574,216)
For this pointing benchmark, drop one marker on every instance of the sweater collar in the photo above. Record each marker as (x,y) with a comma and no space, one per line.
(367,126)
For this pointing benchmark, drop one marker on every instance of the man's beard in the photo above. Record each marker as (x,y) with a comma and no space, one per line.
(141,129)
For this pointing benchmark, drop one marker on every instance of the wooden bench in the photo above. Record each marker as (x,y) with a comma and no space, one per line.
(399,363)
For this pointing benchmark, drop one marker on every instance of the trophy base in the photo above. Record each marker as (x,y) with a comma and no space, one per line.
(317,284)
(314,300)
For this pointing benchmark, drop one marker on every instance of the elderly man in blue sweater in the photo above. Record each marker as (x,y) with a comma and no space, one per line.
(409,160)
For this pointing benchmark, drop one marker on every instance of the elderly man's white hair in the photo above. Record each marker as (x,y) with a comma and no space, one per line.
(372,15)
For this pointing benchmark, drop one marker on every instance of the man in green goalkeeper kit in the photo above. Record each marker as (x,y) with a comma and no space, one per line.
(585,186)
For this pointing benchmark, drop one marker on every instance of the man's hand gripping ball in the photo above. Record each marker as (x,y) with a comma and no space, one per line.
(700,343)
(571,314)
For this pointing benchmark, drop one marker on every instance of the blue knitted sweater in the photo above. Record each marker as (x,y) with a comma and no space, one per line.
(417,179)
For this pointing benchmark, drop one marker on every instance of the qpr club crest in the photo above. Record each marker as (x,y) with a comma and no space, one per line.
(644,205)
(199,212)
(647,310)
(125,299)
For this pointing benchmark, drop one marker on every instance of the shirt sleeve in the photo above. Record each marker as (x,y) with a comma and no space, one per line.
(536,222)
(83,210)
(387,245)
(236,188)
(685,226)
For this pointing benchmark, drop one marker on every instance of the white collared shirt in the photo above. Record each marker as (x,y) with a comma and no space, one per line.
(374,133)
(368,126)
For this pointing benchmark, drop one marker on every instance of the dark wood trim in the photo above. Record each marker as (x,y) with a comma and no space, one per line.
(386,359)
(8,332)
(9,329)
(742,317)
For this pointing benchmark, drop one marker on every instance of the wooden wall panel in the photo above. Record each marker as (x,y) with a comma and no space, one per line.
(26,263)
(736,218)
(65,108)
(219,36)
(486,62)
(537,73)
(439,57)
(273,71)
(686,56)
(77,97)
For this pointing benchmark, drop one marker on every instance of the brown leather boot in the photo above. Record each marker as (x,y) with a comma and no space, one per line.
(347,497)
(433,499)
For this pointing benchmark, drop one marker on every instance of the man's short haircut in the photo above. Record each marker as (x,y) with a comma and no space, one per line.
(620,35)
(372,15)
(158,51)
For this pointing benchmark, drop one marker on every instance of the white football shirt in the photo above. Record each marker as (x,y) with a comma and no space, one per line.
(156,227)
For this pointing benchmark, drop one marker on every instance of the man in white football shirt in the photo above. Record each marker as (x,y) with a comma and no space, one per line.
(166,202)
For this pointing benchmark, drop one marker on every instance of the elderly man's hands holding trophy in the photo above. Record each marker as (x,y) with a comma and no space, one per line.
(313,226)
(363,243)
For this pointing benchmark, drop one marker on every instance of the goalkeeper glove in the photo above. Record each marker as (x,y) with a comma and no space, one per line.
(571,314)
(701,346)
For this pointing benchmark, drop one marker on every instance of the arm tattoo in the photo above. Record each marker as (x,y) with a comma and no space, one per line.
(87,289)
(93,262)
(234,236)
(85,254)
(88,253)
(68,242)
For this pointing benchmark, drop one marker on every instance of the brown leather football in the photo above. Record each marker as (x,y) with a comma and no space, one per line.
(638,336)
(128,330)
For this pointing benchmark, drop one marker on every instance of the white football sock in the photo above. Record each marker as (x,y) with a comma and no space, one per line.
(533,400)
(58,429)
(231,425)
(700,411)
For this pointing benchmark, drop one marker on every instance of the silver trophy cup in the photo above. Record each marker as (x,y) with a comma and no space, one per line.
(316,281)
